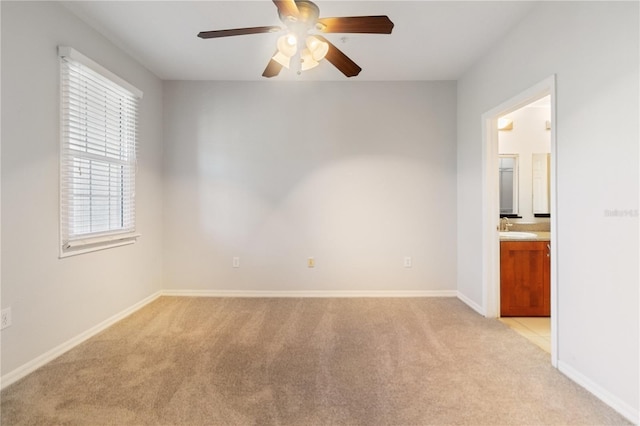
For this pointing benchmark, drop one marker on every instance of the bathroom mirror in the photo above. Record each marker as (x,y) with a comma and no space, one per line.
(508,181)
(540,184)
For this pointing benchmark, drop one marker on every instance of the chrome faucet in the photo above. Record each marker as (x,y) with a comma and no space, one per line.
(505,224)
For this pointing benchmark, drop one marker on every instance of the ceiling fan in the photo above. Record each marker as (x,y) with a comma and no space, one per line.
(302,43)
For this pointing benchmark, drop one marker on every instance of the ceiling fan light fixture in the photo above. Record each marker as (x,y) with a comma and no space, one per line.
(282,59)
(302,41)
(317,47)
(307,61)
(287,45)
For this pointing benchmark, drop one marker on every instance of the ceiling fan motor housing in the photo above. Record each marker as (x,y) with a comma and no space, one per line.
(308,13)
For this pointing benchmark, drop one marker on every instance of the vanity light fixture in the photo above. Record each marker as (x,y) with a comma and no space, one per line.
(505,124)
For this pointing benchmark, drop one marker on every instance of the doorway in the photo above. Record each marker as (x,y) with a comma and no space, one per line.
(491,202)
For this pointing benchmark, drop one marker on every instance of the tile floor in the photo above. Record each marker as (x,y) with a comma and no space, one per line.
(536,329)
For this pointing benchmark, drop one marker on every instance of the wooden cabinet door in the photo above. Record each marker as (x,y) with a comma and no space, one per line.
(524,279)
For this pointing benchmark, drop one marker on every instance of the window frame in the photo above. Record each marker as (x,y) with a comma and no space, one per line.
(71,242)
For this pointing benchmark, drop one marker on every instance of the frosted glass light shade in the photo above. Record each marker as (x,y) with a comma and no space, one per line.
(317,47)
(308,61)
(282,59)
(287,45)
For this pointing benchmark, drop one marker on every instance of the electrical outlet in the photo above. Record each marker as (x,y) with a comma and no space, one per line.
(5,318)
(407,262)
(311,262)
(236,262)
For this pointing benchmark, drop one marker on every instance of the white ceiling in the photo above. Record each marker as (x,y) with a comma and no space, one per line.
(431,40)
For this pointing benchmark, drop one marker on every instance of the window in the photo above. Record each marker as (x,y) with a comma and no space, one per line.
(98,156)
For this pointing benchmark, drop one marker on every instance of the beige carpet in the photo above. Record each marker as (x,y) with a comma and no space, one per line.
(210,361)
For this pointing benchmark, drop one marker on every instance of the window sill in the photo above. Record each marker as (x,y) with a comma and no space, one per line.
(89,245)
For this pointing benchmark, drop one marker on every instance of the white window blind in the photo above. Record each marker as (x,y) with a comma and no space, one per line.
(98,156)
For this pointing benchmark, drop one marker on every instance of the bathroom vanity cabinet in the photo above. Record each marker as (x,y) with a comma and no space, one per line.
(524,279)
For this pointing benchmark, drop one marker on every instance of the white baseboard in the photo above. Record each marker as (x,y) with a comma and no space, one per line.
(310,293)
(473,305)
(29,367)
(605,396)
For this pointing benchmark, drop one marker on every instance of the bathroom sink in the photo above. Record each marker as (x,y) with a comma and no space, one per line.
(516,235)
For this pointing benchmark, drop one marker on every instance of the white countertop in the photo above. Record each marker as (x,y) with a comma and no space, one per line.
(525,236)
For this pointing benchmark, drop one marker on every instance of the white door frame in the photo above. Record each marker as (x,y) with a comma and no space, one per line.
(491,210)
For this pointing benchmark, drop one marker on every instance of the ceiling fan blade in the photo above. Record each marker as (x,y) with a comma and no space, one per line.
(273,68)
(238,31)
(357,24)
(287,8)
(340,60)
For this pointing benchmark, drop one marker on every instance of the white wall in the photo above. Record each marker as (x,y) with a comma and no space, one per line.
(529,136)
(356,174)
(54,300)
(593,49)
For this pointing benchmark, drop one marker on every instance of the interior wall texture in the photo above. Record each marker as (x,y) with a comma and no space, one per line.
(593,50)
(357,175)
(52,299)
